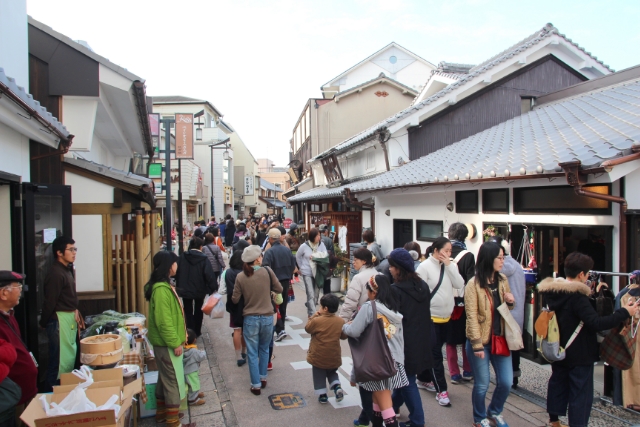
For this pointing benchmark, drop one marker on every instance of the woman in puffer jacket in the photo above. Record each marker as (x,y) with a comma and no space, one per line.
(357,292)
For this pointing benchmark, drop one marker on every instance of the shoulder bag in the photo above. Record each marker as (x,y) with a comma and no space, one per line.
(435,290)
(458,299)
(372,360)
(619,347)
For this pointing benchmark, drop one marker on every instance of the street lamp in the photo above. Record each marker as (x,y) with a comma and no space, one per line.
(199,129)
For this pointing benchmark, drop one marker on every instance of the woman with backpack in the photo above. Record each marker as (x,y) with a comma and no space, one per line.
(484,293)
(214,254)
(443,277)
(571,382)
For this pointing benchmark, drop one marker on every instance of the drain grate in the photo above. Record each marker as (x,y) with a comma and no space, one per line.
(287,401)
(530,397)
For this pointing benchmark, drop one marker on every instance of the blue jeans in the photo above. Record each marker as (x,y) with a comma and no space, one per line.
(481,375)
(258,332)
(411,396)
(572,387)
(53,366)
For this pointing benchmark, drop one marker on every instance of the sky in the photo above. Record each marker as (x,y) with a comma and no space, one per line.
(259,61)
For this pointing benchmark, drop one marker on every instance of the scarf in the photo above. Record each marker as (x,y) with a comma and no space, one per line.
(313,246)
(458,244)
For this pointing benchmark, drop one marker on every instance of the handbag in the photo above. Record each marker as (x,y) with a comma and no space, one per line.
(604,302)
(372,360)
(512,332)
(10,394)
(499,346)
(458,308)
(619,347)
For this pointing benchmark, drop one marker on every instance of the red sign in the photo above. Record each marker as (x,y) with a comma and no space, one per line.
(184,136)
(287,222)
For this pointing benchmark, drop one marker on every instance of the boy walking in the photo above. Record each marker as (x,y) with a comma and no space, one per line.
(324,353)
(191,360)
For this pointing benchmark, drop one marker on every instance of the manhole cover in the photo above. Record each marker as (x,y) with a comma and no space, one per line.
(287,401)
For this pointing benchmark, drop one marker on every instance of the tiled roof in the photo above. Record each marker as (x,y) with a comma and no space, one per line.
(369,82)
(271,202)
(177,99)
(329,192)
(126,177)
(269,186)
(547,31)
(592,127)
(452,67)
(27,98)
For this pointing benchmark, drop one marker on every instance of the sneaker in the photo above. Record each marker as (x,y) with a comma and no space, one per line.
(467,376)
(241,362)
(339,393)
(281,336)
(556,424)
(197,402)
(323,398)
(443,399)
(288,319)
(483,423)
(357,423)
(270,367)
(244,355)
(498,421)
(426,386)
(456,379)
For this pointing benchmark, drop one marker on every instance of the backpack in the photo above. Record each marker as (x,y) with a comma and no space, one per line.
(548,336)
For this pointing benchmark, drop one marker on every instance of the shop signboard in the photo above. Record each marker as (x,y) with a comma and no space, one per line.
(248,185)
(184,136)
(155,170)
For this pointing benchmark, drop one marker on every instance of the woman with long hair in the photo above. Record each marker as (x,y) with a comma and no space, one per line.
(303,258)
(167,333)
(485,292)
(443,277)
(380,293)
(235,310)
(256,284)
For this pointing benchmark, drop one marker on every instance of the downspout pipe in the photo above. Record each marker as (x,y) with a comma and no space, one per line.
(577,181)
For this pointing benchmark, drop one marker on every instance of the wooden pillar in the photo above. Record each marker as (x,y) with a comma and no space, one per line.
(155,241)
(132,272)
(140,260)
(125,275)
(117,264)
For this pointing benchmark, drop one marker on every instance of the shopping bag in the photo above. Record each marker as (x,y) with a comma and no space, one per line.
(512,332)
(619,347)
(219,308)
(210,301)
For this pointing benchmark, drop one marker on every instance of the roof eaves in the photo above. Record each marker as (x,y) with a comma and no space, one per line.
(381,77)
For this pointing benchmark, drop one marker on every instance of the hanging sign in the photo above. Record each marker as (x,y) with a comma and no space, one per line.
(248,185)
(184,136)
(154,127)
(155,170)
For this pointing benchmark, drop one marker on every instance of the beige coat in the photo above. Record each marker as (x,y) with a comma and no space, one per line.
(479,315)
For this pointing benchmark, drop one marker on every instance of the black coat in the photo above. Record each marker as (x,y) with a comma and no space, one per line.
(456,329)
(195,277)
(415,306)
(570,301)
(229,232)
(234,310)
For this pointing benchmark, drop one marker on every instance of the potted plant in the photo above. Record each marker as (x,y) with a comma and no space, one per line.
(338,271)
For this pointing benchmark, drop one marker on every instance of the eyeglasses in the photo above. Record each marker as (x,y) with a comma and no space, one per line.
(72,249)
(501,258)
(11,288)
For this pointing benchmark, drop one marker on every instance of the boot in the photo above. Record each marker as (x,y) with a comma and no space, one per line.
(556,424)
(391,422)
(377,421)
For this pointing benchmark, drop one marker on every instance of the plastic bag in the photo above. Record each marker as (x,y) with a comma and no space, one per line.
(218,309)
(210,302)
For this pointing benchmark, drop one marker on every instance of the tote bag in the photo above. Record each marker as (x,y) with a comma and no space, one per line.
(512,332)
(619,347)
(370,352)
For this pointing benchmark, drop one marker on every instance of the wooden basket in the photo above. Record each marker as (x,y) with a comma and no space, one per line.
(101,350)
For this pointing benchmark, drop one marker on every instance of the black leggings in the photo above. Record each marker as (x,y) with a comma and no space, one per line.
(193,314)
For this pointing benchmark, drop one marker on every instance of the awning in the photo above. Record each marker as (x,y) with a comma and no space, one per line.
(271,203)
(140,186)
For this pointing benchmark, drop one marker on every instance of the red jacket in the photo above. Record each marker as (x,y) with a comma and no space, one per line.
(23,372)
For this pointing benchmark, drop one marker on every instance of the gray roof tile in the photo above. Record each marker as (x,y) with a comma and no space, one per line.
(580,128)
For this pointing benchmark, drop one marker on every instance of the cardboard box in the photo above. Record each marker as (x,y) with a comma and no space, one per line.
(35,416)
(101,378)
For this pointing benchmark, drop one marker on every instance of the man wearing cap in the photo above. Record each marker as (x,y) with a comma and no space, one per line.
(60,310)
(24,371)
(283,263)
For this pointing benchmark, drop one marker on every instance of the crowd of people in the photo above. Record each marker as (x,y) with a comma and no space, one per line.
(447,297)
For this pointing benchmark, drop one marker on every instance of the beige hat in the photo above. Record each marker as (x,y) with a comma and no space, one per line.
(251,253)
(274,233)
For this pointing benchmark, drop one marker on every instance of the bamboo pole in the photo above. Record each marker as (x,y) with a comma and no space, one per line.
(140,258)
(132,271)
(155,247)
(117,263)
(125,261)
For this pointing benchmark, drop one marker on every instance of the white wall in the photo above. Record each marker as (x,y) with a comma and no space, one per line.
(85,190)
(366,219)
(5,228)
(14,48)
(631,185)
(89,261)
(15,152)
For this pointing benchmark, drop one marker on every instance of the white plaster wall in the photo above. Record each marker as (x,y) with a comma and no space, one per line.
(5,228)
(366,219)
(85,190)
(414,75)
(430,205)
(116,225)
(15,152)
(632,186)
(89,261)
(398,146)
(79,114)
(14,47)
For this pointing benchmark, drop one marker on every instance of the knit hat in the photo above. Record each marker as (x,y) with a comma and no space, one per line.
(241,245)
(251,253)
(403,259)
(274,233)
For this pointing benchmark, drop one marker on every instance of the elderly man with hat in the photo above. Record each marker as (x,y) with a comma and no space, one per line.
(258,312)
(283,264)
(24,371)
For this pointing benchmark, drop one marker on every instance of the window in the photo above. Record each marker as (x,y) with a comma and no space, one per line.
(467,201)
(402,232)
(173,125)
(495,201)
(393,59)
(428,231)
(560,199)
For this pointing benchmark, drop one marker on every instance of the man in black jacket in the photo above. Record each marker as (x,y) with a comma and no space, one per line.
(194,280)
(571,382)
(283,263)
(229,231)
(415,306)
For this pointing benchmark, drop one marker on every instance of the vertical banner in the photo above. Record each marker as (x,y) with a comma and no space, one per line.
(154,127)
(248,185)
(184,136)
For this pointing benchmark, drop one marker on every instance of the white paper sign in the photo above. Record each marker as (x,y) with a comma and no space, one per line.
(49,235)
(248,185)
